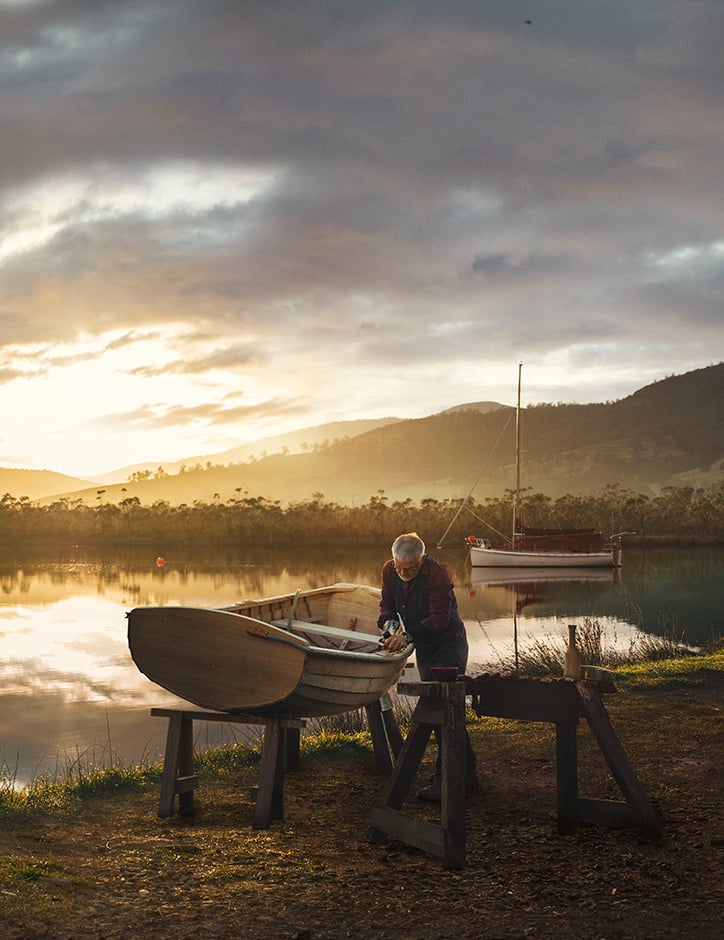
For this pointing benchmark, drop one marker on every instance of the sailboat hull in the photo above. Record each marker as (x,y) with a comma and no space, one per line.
(544,548)
(482,557)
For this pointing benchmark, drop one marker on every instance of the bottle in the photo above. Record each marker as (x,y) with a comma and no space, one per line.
(572,660)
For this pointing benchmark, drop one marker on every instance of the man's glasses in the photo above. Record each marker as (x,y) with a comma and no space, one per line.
(410,569)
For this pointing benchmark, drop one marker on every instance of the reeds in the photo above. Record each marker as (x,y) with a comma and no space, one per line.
(545,655)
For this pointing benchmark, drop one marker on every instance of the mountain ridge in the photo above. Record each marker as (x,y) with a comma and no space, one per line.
(665,434)
(292,441)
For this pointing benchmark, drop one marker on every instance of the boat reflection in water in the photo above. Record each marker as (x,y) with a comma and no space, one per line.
(555,592)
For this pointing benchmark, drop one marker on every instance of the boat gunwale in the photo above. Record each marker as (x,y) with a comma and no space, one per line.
(341,587)
(344,635)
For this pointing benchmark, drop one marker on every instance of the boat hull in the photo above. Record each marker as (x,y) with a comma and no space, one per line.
(532,547)
(502,558)
(277,662)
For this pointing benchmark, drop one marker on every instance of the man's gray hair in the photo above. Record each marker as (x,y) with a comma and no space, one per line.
(408,547)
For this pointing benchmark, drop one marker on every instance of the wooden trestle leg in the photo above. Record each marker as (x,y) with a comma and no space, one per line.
(385,733)
(441,705)
(280,752)
(640,812)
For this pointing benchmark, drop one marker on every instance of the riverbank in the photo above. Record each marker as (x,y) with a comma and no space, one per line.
(105,866)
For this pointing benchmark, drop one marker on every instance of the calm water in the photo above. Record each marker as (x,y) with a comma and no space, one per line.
(70,691)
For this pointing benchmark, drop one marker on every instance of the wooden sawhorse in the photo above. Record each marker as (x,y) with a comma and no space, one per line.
(280,752)
(441,705)
(560,701)
(563,702)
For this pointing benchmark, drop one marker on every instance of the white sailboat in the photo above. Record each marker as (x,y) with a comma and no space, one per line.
(544,548)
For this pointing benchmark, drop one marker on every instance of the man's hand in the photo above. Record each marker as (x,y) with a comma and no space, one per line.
(395,642)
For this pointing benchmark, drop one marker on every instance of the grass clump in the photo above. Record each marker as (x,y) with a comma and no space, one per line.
(706,669)
(545,655)
(113,779)
(82,783)
(13,871)
(334,742)
(227,760)
(79,783)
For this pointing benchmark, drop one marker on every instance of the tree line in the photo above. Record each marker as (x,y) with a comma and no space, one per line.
(685,513)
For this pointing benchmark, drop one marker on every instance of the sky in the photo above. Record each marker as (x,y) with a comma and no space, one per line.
(221,221)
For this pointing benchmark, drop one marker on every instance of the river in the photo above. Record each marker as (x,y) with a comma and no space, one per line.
(71,696)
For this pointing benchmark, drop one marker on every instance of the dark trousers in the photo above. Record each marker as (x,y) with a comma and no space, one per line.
(453,653)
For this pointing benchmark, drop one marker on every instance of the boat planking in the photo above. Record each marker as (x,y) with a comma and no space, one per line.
(306,654)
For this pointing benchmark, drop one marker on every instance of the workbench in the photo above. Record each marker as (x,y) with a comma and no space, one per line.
(562,702)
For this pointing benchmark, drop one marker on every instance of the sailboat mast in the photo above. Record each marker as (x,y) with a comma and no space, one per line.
(516,494)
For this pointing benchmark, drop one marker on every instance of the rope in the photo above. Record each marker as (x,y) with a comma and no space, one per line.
(487,524)
(477,479)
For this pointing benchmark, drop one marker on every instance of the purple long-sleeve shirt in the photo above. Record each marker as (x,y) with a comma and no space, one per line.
(440,598)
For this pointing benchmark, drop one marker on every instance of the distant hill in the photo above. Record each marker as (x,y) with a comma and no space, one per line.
(35,484)
(482,406)
(667,433)
(292,442)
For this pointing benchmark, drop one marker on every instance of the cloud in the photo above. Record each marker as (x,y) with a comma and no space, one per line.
(307,194)
(229,359)
(220,414)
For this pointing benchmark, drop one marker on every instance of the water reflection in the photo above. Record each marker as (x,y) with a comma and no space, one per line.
(514,606)
(70,690)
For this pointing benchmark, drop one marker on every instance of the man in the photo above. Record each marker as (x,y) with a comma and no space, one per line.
(417,592)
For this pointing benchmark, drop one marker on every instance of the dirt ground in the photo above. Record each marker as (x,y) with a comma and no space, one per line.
(108,868)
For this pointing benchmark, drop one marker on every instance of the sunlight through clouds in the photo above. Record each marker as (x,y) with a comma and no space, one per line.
(80,386)
(139,388)
(218,224)
(41,211)
(700,255)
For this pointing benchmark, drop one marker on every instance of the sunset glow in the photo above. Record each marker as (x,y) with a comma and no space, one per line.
(216,230)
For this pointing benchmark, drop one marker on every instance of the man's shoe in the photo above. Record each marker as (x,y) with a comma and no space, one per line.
(432,793)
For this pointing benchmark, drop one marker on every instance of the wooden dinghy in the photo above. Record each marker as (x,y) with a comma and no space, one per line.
(305,655)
